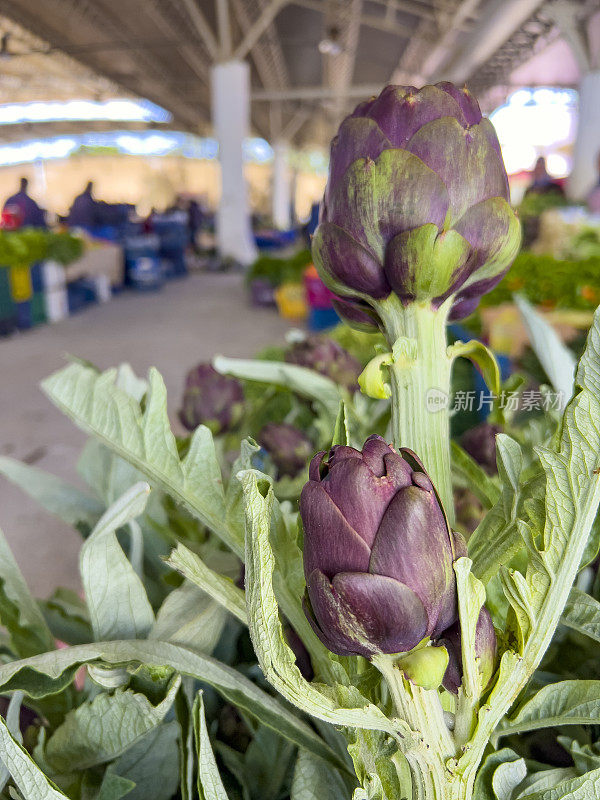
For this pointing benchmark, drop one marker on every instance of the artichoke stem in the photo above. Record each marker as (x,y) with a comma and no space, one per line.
(420,384)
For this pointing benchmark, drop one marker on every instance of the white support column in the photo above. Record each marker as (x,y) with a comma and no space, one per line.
(231,115)
(587,143)
(282,186)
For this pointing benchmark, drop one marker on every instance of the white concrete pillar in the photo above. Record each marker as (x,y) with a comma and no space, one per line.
(282,186)
(230,83)
(584,174)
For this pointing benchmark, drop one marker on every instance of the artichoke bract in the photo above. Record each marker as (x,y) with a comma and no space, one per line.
(290,449)
(417,202)
(327,357)
(378,551)
(211,399)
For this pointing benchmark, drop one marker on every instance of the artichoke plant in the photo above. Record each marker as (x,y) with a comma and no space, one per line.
(290,449)
(211,399)
(417,203)
(326,356)
(378,551)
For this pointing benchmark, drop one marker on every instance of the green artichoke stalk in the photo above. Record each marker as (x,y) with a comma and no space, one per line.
(416,225)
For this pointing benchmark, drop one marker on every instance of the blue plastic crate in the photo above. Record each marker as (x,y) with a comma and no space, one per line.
(80,295)
(8,324)
(37,277)
(145,272)
(319,319)
(24,314)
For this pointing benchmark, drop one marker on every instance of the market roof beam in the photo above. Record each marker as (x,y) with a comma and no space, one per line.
(489,34)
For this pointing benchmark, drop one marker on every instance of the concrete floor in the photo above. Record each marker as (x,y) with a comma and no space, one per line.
(188,321)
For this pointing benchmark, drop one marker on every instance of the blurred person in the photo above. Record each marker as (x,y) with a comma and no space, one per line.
(84,209)
(543,182)
(25,208)
(593,199)
(195,220)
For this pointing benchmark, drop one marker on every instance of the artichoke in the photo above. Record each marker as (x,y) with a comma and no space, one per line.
(416,203)
(211,399)
(289,448)
(326,356)
(378,551)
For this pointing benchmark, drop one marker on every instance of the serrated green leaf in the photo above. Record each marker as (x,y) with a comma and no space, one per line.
(220,588)
(189,617)
(582,613)
(60,498)
(507,776)
(151,764)
(19,613)
(275,657)
(300,380)
(497,538)
(12,723)
(114,787)
(210,785)
(144,439)
(41,675)
(315,780)
(268,764)
(483,783)
(546,779)
(115,595)
(341,431)
(483,357)
(585,787)
(554,356)
(102,729)
(471,597)
(561,703)
(28,777)
(474,477)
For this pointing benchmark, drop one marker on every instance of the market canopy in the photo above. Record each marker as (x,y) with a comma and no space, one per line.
(310,59)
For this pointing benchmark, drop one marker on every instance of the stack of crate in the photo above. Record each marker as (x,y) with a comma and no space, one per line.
(8,314)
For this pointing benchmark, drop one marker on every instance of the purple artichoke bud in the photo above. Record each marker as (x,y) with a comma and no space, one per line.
(417,201)
(211,399)
(480,443)
(326,356)
(378,551)
(289,448)
(485,651)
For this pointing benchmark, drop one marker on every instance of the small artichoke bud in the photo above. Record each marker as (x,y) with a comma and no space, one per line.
(326,356)
(480,443)
(211,399)
(417,202)
(378,551)
(289,448)
(485,651)
(425,666)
